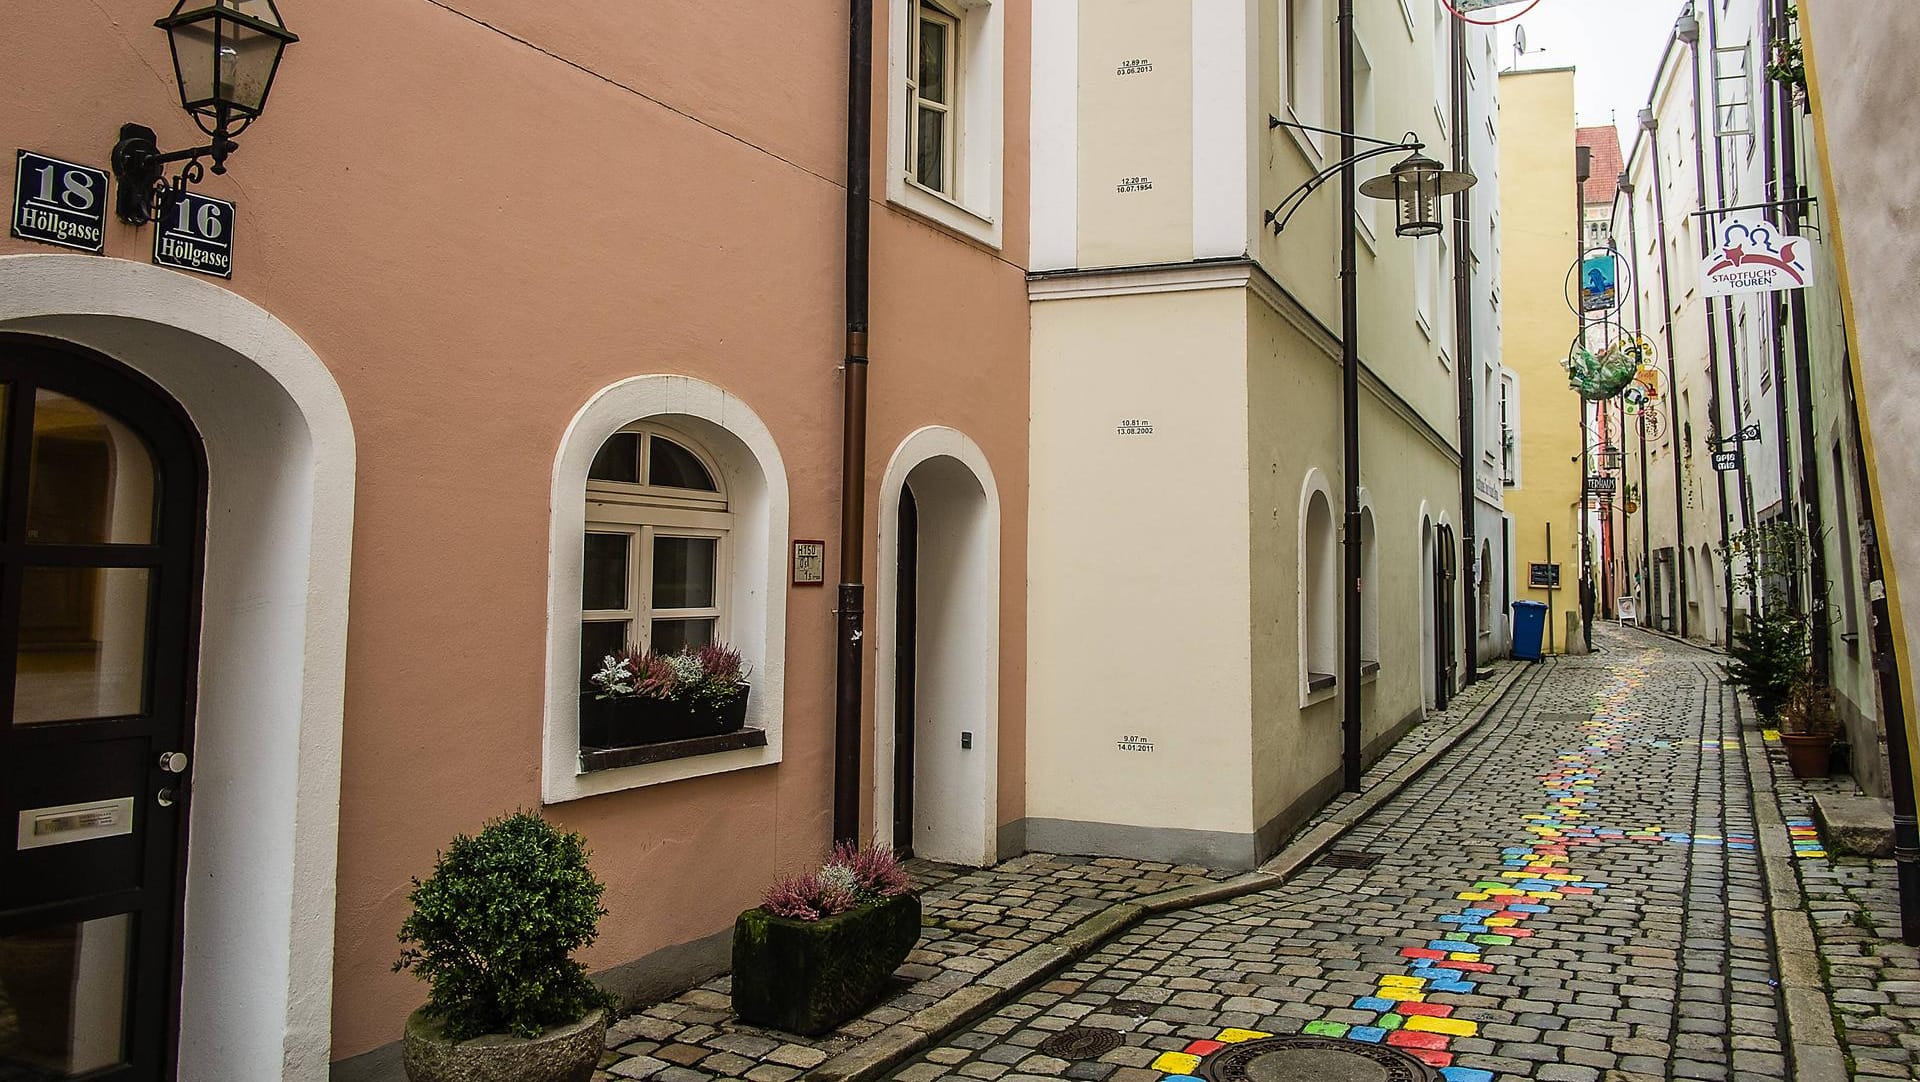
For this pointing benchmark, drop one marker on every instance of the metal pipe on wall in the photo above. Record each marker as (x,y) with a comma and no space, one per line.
(1676,432)
(1464,359)
(1349,415)
(847,674)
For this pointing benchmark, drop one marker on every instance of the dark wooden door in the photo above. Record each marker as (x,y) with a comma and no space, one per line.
(101,512)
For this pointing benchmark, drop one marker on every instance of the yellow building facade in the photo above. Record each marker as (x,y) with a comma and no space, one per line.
(1539,202)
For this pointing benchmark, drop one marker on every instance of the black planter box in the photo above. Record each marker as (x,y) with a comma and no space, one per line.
(807,977)
(627,723)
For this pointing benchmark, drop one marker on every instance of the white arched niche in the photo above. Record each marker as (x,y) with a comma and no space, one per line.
(956,790)
(1318,629)
(257,980)
(755,594)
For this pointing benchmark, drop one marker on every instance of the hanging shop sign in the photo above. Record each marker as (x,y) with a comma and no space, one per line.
(58,202)
(1600,484)
(1726,461)
(1599,282)
(1750,256)
(195,232)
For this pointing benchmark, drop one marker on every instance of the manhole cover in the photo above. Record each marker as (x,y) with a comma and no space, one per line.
(1350,858)
(1312,1059)
(1082,1042)
(1136,1007)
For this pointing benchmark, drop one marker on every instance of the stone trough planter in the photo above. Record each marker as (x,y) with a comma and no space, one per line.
(561,1054)
(807,977)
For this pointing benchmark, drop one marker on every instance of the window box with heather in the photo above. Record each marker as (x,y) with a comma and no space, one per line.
(822,947)
(643,700)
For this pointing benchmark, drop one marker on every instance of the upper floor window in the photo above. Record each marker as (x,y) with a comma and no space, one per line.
(945,126)
(1732,91)
(933,52)
(655,564)
(1303,64)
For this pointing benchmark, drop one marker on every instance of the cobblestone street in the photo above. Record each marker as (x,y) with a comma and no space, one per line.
(1573,893)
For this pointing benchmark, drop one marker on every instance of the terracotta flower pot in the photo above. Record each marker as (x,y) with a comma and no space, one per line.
(1808,754)
(561,1054)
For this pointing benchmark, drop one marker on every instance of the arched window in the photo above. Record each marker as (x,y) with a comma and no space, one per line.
(1485,571)
(1319,598)
(655,563)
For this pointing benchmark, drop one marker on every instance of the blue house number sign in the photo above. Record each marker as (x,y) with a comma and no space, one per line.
(58,202)
(195,232)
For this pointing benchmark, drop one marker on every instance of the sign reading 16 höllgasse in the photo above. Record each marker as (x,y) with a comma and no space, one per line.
(58,202)
(195,232)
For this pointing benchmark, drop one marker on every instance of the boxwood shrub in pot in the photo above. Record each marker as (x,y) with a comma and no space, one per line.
(493,931)
(821,947)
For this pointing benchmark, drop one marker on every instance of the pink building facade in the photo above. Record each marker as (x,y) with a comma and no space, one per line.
(532,342)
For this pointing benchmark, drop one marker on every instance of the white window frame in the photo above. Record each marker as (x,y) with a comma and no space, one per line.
(1303,72)
(976,125)
(753,476)
(928,11)
(1510,457)
(1366,99)
(1732,117)
(1442,50)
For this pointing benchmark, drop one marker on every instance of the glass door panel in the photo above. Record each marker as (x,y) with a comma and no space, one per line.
(82,649)
(63,998)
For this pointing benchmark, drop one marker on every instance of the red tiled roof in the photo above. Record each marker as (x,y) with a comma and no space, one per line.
(1604,179)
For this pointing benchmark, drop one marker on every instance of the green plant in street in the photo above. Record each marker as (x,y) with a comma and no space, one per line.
(494,928)
(1768,657)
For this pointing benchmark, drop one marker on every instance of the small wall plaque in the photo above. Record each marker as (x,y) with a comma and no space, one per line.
(58,202)
(809,563)
(195,233)
(1134,426)
(1134,743)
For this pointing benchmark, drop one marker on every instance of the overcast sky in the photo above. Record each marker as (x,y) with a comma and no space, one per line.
(1613,46)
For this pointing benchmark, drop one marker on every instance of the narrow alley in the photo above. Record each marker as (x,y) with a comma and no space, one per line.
(1574,892)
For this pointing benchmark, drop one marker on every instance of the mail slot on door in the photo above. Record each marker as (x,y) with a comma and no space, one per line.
(75,823)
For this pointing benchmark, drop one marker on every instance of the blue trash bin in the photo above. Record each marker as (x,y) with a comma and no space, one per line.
(1529,629)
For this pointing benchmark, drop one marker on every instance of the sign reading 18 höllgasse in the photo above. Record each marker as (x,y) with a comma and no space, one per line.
(195,232)
(58,202)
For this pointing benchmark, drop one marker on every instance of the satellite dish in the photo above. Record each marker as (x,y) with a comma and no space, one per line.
(1520,39)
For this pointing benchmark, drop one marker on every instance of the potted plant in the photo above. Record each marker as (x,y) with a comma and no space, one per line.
(492,932)
(647,698)
(821,947)
(1807,725)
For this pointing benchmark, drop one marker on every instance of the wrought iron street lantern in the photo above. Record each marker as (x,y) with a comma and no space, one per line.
(1415,185)
(225,55)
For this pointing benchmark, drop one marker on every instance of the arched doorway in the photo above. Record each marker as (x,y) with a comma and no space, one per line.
(270,686)
(937,624)
(103,482)
(1429,646)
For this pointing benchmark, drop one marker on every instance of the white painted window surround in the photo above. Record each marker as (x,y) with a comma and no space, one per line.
(755,595)
(973,208)
(257,982)
(1319,588)
(1304,70)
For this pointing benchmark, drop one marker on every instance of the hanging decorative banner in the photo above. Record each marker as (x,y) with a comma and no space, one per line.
(1599,282)
(1751,256)
(1645,388)
(1465,9)
(1601,374)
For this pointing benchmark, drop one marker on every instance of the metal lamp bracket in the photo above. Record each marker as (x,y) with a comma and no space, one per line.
(139,170)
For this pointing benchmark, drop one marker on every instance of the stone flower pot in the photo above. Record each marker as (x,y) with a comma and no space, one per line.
(807,977)
(561,1054)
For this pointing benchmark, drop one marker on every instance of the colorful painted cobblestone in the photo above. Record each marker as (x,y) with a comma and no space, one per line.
(1572,895)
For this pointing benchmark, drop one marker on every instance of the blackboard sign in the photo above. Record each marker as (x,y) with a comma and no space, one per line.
(195,232)
(1543,575)
(58,202)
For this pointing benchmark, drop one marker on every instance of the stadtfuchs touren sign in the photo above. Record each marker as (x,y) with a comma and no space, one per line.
(1750,256)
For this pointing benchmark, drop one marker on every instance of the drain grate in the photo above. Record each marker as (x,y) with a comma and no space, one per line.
(1312,1059)
(1082,1042)
(1136,1008)
(1350,858)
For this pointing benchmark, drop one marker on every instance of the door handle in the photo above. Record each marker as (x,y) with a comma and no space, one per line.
(173,762)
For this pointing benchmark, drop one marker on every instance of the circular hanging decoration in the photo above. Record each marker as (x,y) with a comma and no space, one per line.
(1460,8)
(1597,283)
(1653,423)
(1603,373)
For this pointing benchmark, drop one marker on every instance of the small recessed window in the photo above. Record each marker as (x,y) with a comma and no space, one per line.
(931,78)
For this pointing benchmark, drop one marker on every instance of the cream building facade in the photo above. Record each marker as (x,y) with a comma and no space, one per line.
(1185,504)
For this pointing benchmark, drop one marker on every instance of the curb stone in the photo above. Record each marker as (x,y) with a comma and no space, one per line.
(1810,1039)
(903,1040)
